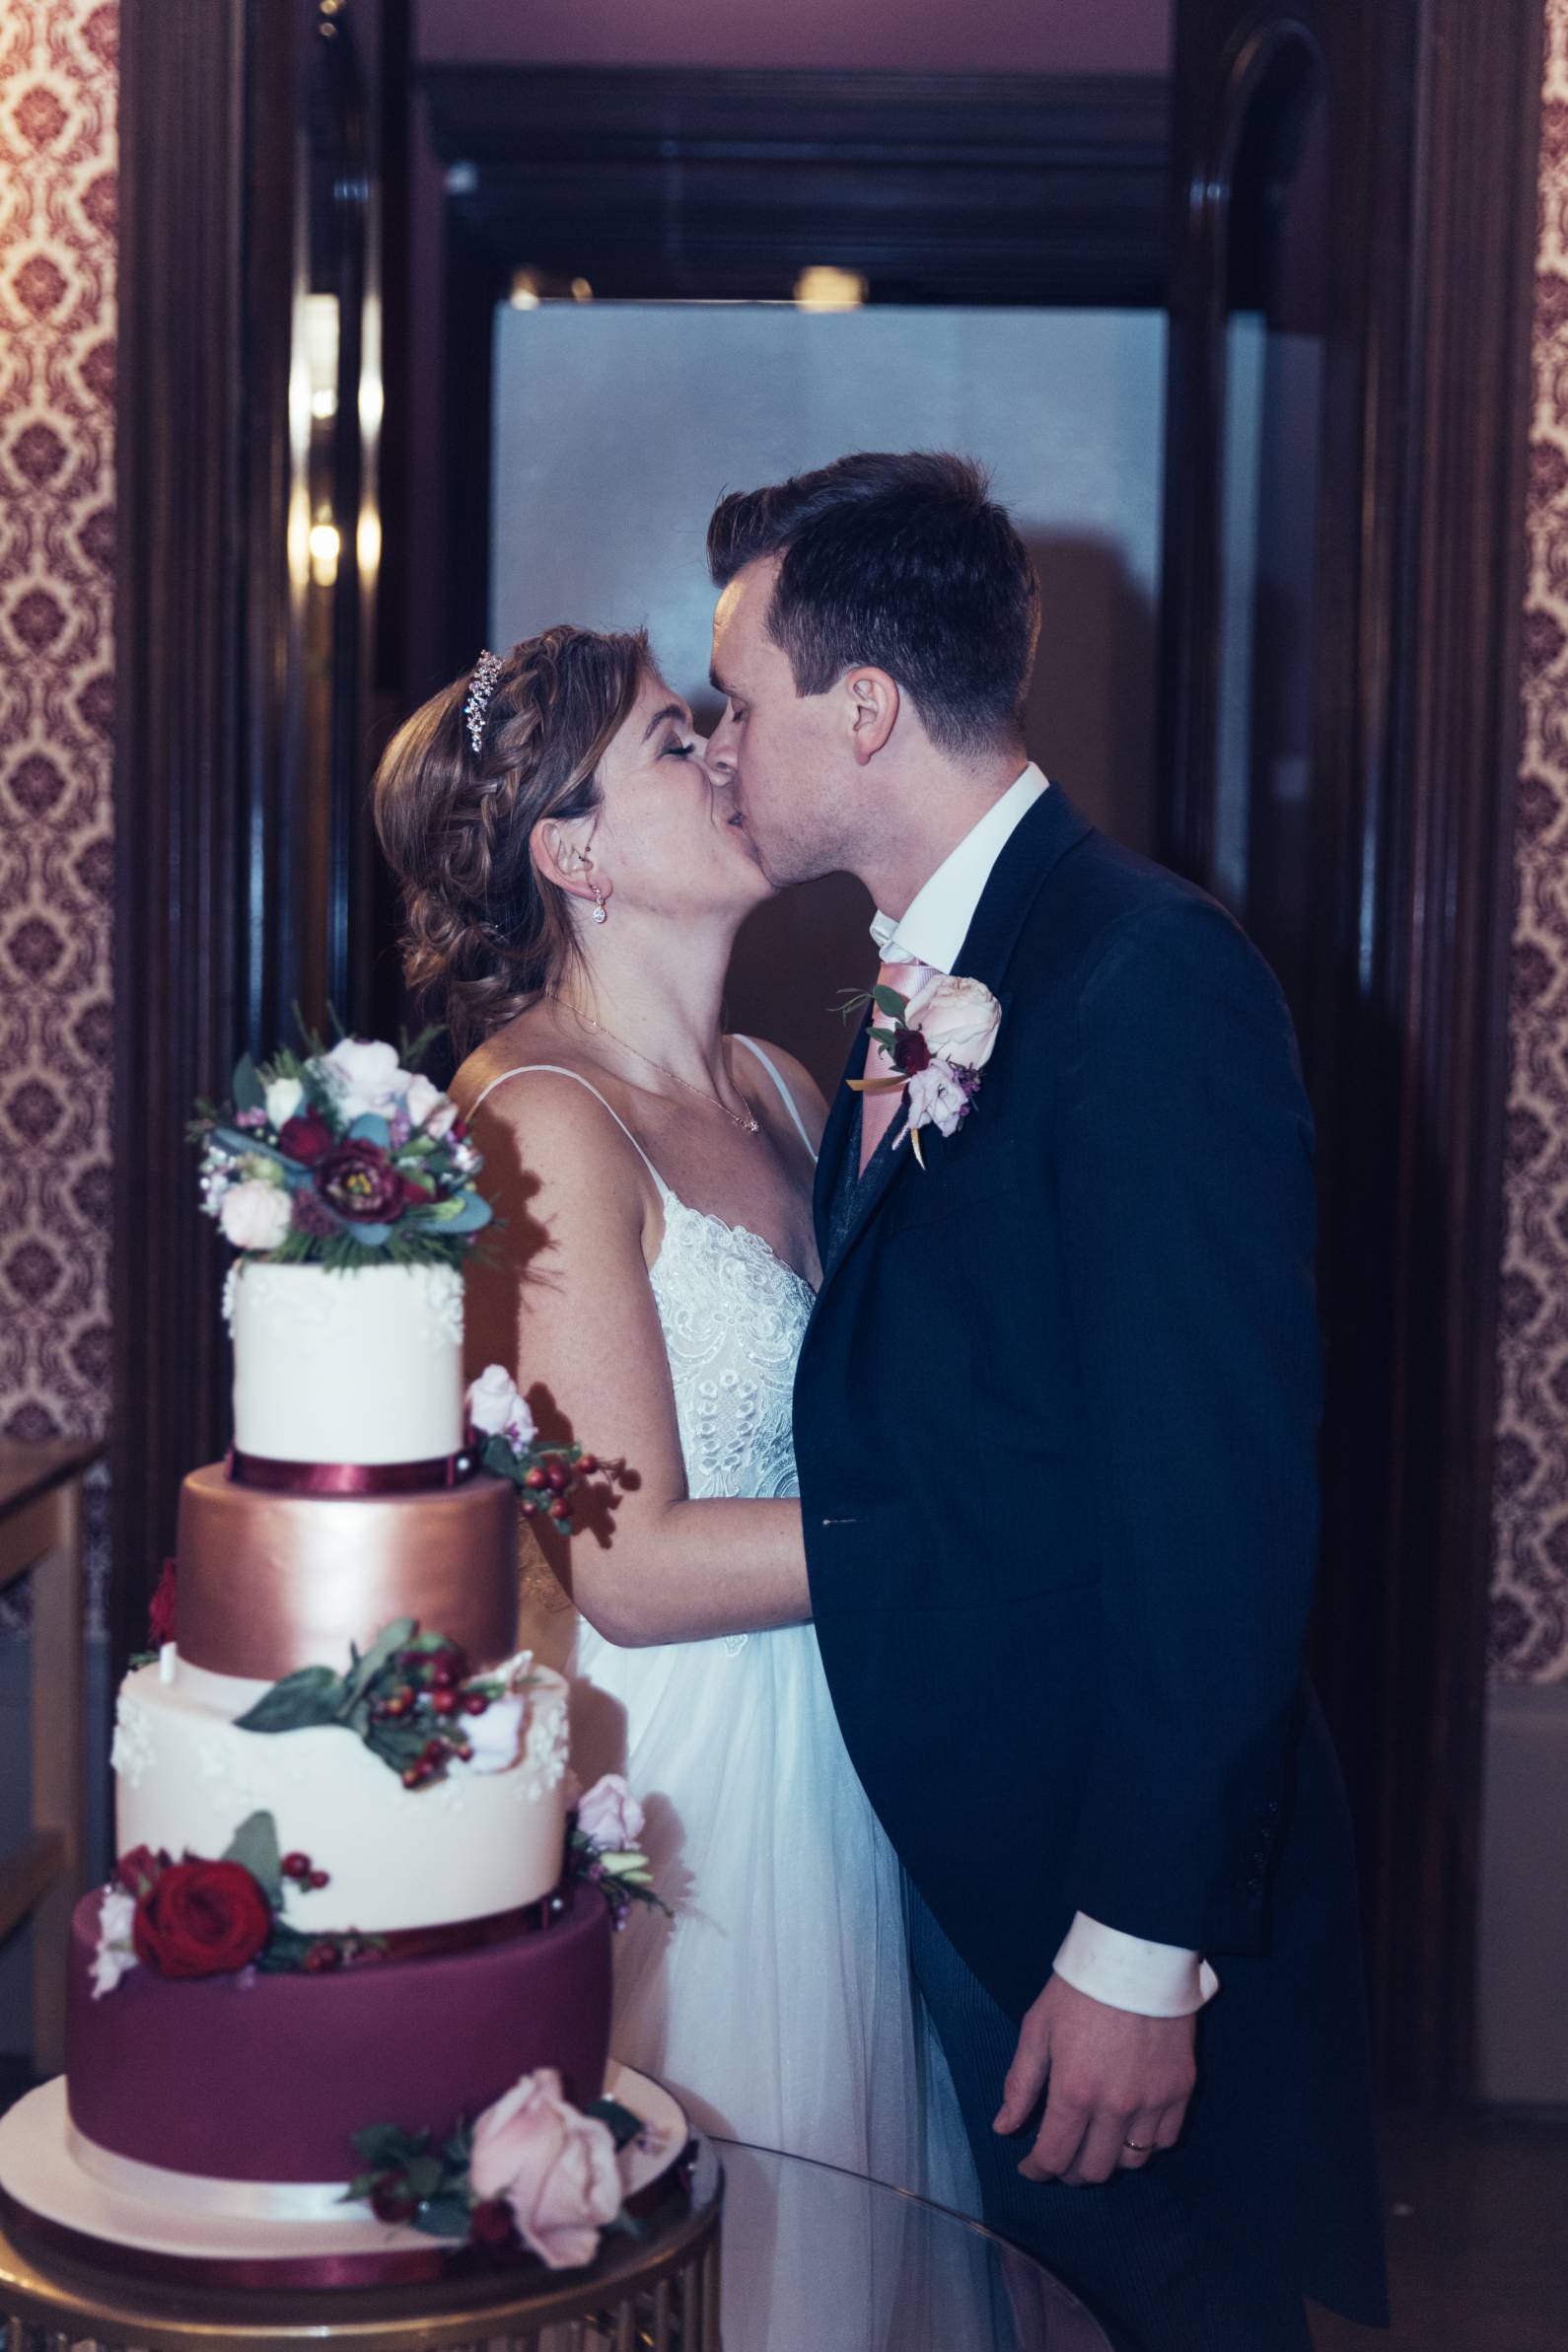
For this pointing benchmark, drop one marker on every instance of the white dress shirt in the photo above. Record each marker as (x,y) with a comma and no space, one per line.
(1124,1971)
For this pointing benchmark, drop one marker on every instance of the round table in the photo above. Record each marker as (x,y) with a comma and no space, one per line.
(813,2260)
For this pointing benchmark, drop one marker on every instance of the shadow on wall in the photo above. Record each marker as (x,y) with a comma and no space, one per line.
(1089,721)
(1090,717)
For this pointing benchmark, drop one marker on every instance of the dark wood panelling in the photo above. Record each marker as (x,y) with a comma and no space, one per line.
(1401,998)
(996,190)
(204,622)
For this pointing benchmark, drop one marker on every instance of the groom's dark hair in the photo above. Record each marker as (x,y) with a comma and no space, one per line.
(902,559)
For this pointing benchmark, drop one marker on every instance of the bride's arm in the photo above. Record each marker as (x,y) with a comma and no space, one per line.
(572,1313)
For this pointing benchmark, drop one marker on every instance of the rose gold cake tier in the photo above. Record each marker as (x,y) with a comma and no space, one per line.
(271,1581)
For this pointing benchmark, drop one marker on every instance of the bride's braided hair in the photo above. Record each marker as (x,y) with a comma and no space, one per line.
(484,932)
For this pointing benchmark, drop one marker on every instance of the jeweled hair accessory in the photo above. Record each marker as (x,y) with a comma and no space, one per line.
(482,686)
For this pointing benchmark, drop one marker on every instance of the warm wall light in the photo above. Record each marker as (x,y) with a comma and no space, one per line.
(323,544)
(319,330)
(524,295)
(822,289)
(582,291)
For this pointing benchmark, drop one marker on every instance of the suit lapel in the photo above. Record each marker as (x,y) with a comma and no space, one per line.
(1049,830)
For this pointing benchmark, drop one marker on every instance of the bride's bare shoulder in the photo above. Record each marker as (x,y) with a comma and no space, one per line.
(537,1112)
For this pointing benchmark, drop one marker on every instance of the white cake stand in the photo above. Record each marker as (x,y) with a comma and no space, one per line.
(39,2173)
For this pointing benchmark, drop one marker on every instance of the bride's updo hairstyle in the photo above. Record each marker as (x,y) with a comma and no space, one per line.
(483,931)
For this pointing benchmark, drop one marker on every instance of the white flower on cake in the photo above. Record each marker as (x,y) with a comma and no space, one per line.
(365,1076)
(283,1099)
(498,1408)
(496,1736)
(116,1954)
(554,2166)
(427,1107)
(254,1214)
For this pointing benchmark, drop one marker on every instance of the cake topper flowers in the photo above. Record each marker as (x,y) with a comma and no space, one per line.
(341,1157)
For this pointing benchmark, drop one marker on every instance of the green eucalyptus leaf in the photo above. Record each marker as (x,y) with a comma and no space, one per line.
(370,1127)
(255,1846)
(888,1001)
(300,1702)
(249,1092)
(461,1212)
(383,2148)
(363,1670)
(445,2216)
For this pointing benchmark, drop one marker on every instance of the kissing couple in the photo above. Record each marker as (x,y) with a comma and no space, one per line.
(951,1626)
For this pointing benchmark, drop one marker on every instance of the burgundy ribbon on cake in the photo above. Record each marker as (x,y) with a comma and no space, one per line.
(349,1477)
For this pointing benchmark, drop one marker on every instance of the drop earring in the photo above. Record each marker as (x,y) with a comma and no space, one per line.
(600,912)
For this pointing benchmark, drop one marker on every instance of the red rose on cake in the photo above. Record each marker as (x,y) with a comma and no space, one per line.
(359,1182)
(306,1137)
(202,1919)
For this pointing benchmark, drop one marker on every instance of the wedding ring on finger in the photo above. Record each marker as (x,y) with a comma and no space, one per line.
(1140,2147)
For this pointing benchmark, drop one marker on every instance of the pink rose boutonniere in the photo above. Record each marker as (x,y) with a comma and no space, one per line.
(939,1038)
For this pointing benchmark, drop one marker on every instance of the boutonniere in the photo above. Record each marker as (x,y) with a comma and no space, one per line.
(939,1038)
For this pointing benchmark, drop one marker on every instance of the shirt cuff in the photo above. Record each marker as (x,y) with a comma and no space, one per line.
(1126,1973)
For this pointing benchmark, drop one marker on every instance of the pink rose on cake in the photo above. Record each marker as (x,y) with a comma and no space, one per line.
(554,2167)
(610,1817)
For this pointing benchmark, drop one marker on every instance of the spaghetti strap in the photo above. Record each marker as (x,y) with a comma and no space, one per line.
(557,1070)
(788,1099)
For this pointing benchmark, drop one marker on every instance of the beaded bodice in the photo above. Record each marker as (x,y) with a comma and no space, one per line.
(733,1315)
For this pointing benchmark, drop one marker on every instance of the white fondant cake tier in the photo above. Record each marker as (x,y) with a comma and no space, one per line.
(362,1367)
(462,1847)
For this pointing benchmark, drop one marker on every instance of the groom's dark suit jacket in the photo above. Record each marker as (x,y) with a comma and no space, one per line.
(1055,1419)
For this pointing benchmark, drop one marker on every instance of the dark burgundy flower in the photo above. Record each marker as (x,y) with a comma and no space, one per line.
(202,1919)
(306,1137)
(161,1611)
(360,1182)
(490,2223)
(911,1053)
(140,1869)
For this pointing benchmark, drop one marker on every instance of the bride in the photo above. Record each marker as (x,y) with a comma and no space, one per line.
(574,878)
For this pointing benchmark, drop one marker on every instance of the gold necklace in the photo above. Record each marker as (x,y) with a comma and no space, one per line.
(747,1123)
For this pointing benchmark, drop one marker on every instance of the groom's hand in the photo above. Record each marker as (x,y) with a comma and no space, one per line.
(1113,2077)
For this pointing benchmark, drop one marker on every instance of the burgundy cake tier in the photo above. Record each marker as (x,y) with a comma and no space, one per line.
(268,1583)
(268,2077)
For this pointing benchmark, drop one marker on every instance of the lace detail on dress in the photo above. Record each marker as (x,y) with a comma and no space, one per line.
(733,1315)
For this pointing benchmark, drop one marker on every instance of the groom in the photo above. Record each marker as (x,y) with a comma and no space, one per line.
(1055,1422)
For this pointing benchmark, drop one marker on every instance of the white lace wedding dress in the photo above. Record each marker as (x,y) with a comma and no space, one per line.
(779,2003)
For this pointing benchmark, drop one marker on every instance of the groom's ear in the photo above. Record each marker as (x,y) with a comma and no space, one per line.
(873,710)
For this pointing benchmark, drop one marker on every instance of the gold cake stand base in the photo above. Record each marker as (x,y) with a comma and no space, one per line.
(656,2293)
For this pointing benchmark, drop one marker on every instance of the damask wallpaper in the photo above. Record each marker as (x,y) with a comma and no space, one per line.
(1530,1598)
(57,252)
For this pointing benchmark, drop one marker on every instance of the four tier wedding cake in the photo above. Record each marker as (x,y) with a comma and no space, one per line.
(347,1992)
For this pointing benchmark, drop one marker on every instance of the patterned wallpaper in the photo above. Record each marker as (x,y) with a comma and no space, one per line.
(1529,1597)
(57,252)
